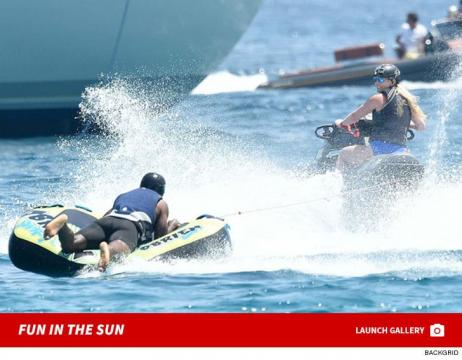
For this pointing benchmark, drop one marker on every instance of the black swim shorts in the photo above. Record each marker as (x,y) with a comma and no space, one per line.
(109,229)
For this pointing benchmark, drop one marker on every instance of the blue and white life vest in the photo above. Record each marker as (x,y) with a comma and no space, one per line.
(139,206)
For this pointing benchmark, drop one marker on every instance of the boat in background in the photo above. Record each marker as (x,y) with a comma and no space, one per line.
(443,55)
(61,47)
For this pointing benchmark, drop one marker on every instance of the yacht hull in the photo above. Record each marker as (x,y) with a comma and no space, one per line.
(63,46)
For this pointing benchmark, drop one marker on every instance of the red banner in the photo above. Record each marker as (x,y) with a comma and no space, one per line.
(229,330)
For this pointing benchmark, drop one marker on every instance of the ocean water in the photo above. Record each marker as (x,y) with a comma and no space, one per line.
(229,149)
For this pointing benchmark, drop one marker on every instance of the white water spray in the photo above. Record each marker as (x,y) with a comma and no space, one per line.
(212,172)
(448,103)
(208,171)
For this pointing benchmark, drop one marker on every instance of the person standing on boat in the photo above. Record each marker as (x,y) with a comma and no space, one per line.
(394,110)
(411,40)
(136,216)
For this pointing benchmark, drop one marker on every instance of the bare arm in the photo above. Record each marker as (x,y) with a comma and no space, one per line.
(173,225)
(375,102)
(161,225)
(418,123)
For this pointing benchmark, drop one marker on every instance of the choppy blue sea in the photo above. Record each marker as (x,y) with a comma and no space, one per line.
(229,148)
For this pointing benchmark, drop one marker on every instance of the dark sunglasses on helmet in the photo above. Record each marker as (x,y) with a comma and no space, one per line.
(379,79)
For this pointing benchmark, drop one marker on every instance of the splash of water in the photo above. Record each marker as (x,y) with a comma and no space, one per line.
(208,171)
(455,83)
(448,101)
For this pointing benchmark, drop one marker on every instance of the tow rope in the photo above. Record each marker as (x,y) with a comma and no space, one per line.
(304,202)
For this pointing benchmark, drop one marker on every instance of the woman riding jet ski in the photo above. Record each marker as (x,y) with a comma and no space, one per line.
(394,110)
(384,162)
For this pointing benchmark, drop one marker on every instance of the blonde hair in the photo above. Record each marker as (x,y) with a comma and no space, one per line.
(416,111)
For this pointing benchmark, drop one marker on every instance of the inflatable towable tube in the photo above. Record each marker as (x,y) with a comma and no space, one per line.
(206,236)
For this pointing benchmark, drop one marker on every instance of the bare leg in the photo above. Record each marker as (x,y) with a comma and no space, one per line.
(104,256)
(110,251)
(352,156)
(69,241)
(53,227)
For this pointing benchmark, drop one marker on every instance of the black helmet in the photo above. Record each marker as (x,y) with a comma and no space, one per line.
(154,182)
(388,71)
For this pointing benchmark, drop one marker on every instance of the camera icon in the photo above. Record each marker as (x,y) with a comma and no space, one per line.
(437,330)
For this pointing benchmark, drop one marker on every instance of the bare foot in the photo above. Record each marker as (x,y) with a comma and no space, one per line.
(53,227)
(104,256)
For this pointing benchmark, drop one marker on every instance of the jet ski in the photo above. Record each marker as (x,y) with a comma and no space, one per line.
(206,236)
(399,166)
(372,186)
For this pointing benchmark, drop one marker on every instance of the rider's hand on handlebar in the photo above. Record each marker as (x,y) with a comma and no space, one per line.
(339,124)
(352,129)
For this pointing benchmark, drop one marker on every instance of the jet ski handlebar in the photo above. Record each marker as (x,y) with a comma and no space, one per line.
(327,132)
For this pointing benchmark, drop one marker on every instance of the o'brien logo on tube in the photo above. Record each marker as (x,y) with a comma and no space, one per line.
(437,330)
